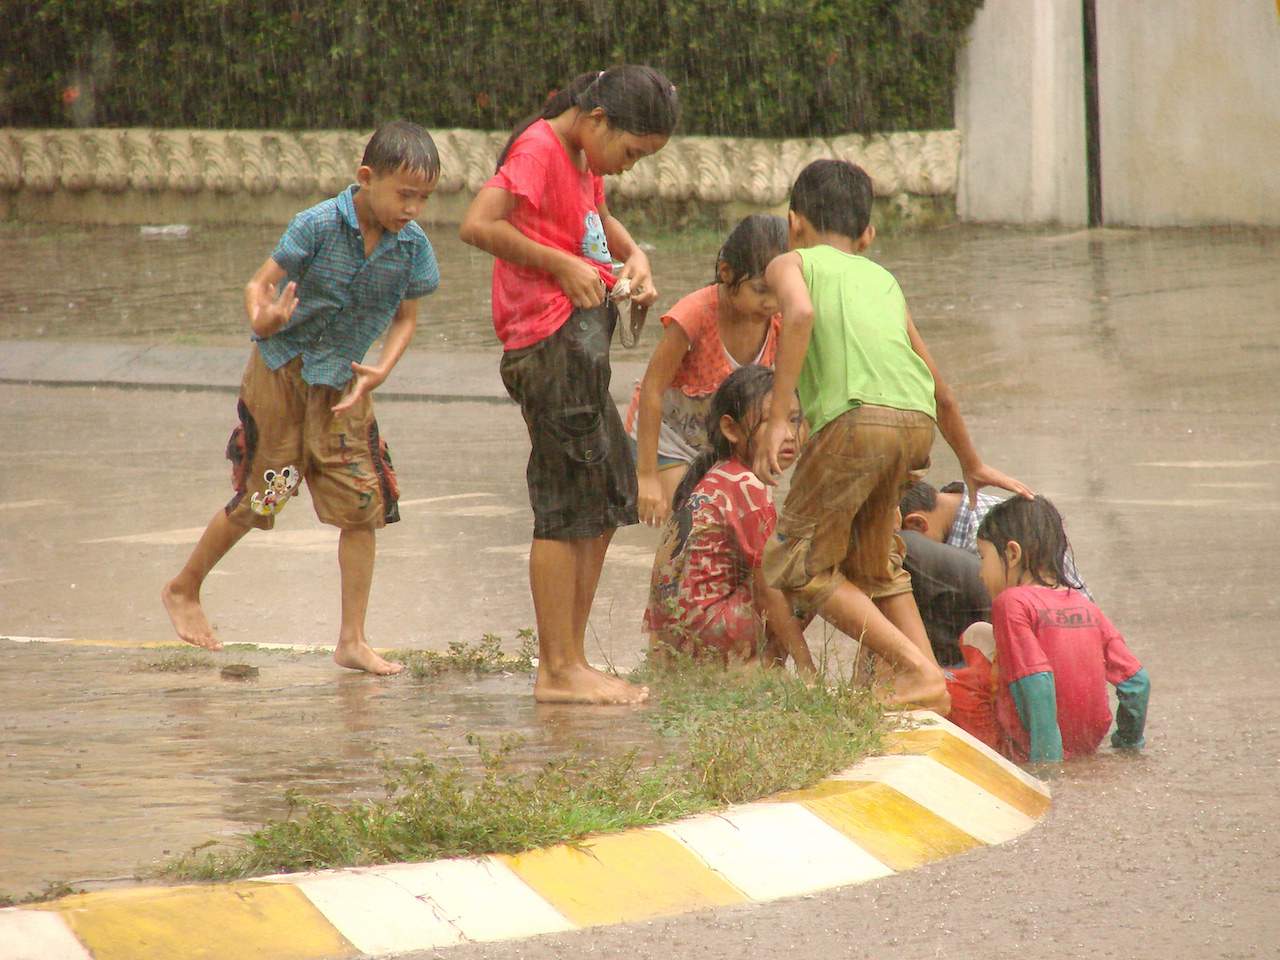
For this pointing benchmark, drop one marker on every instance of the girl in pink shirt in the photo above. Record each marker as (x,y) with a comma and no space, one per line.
(709,334)
(1055,652)
(544,218)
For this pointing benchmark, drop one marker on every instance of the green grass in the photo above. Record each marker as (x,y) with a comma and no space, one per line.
(484,656)
(733,737)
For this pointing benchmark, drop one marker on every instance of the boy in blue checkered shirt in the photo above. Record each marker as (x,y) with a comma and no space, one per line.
(345,272)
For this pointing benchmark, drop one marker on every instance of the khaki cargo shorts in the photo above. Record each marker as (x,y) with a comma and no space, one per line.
(287,433)
(839,519)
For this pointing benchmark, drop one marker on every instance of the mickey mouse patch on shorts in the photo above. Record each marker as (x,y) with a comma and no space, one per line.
(281,485)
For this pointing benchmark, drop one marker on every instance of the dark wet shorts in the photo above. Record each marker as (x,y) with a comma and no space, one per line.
(287,433)
(581,474)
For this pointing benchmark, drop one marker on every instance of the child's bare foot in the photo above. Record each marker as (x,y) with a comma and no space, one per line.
(360,656)
(187,617)
(924,690)
(583,684)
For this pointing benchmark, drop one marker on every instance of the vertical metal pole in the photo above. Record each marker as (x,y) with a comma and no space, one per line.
(1092,128)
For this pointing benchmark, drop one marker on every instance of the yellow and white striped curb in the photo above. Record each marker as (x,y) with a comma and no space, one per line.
(935,793)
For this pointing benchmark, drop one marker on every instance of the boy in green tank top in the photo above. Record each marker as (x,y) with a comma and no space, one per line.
(872,396)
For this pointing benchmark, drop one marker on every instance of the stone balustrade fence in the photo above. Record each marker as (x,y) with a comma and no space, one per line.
(37,165)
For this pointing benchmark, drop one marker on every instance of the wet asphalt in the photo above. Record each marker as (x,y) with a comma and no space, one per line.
(1127,374)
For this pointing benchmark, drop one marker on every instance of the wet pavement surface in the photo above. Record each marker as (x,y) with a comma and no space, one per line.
(1129,375)
(113,759)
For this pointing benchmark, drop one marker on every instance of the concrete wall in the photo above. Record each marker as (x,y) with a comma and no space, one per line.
(1190,109)
(1020,112)
(1189,95)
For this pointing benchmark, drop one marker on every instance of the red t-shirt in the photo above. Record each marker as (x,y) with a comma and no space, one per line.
(557,205)
(1040,629)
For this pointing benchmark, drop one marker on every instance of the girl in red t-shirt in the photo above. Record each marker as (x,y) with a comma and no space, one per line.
(543,216)
(707,595)
(1055,651)
(709,334)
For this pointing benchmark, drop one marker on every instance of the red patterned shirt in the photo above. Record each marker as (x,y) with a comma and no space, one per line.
(701,590)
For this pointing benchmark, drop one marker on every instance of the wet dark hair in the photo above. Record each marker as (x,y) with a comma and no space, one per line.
(835,196)
(635,99)
(741,397)
(1037,527)
(755,241)
(920,497)
(402,145)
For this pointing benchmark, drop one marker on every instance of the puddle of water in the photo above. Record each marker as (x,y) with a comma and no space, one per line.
(108,769)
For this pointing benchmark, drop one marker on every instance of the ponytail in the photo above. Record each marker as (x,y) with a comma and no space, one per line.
(635,99)
(741,395)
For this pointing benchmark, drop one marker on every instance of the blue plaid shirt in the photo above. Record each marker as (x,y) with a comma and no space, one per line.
(345,301)
(964,532)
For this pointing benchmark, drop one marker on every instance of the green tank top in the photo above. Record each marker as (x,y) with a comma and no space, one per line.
(859,351)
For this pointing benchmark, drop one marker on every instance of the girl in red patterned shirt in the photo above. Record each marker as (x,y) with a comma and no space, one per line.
(707,595)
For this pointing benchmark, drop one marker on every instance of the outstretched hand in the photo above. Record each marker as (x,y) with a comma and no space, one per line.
(273,311)
(364,382)
(986,476)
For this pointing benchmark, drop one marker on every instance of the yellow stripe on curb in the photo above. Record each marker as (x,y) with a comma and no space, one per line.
(894,829)
(224,922)
(956,755)
(623,877)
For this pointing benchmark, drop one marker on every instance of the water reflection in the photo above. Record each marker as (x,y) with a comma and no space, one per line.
(144,762)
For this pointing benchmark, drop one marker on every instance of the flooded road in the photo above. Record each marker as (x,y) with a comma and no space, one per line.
(113,759)
(1129,375)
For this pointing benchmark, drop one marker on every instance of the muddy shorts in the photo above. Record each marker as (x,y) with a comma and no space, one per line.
(288,433)
(838,521)
(581,474)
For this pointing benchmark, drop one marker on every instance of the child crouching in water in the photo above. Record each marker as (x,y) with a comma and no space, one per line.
(1055,651)
(708,596)
(709,334)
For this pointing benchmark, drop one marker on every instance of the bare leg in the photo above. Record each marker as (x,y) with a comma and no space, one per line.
(181,595)
(917,679)
(902,612)
(670,479)
(564,676)
(356,549)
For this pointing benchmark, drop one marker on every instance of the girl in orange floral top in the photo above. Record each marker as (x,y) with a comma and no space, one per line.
(709,334)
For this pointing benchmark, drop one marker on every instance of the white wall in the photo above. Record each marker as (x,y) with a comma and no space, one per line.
(1190,111)
(1189,95)
(1020,111)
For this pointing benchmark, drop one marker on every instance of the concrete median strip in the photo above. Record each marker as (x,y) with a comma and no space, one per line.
(937,792)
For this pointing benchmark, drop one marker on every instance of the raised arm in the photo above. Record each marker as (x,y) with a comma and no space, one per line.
(951,425)
(487,225)
(267,308)
(664,363)
(785,277)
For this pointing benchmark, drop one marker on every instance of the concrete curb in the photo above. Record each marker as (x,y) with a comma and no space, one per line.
(937,792)
(422,374)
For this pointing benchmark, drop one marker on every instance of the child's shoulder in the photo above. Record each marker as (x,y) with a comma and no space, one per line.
(537,141)
(736,480)
(827,259)
(694,311)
